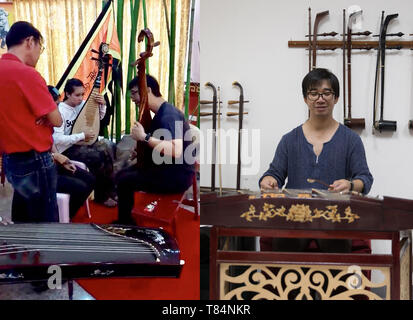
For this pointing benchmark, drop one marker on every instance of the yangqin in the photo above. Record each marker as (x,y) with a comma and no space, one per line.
(262,273)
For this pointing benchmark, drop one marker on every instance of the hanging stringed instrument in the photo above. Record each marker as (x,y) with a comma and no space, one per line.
(317,20)
(381,124)
(240,114)
(88,119)
(353,123)
(144,116)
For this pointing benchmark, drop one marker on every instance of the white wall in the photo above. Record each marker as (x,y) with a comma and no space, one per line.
(247,41)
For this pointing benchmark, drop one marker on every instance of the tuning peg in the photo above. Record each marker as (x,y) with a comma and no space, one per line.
(94,51)
(325,48)
(208,102)
(93,58)
(398,34)
(364,33)
(133,64)
(325,34)
(230,114)
(204,114)
(236,101)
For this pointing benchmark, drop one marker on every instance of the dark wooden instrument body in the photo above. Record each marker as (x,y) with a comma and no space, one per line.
(27,251)
(88,119)
(317,20)
(389,214)
(240,120)
(353,123)
(389,218)
(381,124)
(215,113)
(144,116)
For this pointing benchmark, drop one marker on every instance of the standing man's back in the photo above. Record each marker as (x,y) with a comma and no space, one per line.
(27,117)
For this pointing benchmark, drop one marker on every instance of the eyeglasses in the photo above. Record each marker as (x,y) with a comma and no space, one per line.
(314,95)
(42,47)
(38,41)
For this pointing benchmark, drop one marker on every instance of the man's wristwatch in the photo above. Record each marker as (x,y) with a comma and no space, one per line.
(147,137)
(351,185)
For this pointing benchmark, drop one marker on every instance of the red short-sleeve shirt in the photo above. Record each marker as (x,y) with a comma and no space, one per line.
(24,97)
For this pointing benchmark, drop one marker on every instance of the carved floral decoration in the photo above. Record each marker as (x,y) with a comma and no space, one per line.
(300,282)
(300,213)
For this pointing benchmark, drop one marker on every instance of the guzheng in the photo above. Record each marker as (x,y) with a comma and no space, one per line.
(307,210)
(27,250)
(88,119)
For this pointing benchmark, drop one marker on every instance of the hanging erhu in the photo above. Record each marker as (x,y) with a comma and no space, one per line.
(350,122)
(382,125)
(219,142)
(240,114)
(214,114)
(317,20)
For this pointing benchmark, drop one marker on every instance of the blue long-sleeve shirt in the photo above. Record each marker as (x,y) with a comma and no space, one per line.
(343,157)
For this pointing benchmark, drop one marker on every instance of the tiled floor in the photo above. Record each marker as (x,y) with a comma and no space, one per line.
(25,291)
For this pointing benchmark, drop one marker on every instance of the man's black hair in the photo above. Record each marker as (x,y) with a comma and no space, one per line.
(53,92)
(151,83)
(314,78)
(21,30)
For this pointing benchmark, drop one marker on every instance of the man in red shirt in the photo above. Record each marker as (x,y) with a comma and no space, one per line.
(27,116)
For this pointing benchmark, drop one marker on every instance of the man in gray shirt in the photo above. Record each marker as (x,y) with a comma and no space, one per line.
(321,149)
